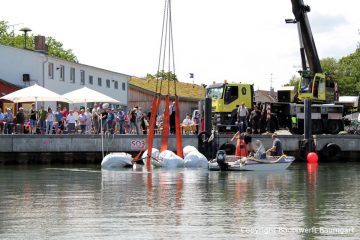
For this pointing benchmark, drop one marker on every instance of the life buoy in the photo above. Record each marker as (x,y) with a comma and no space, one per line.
(241,150)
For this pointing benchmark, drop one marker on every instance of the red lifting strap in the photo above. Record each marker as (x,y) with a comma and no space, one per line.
(179,149)
(154,109)
(166,126)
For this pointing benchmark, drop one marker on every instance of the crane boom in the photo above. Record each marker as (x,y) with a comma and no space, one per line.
(300,12)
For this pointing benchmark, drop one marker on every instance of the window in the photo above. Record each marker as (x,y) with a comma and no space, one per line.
(51,71)
(107,83)
(82,77)
(99,81)
(123,86)
(91,80)
(62,73)
(231,94)
(116,85)
(72,75)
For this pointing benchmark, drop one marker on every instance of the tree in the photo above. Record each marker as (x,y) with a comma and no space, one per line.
(294,81)
(349,74)
(330,66)
(162,75)
(345,71)
(55,48)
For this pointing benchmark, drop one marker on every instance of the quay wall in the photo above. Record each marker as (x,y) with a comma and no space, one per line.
(89,147)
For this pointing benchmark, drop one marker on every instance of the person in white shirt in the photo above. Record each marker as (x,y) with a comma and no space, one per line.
(70,119)
(82,118)
(188,124)
(50,118)
(242,114)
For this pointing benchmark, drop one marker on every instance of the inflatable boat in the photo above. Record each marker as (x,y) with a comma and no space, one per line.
(259,162)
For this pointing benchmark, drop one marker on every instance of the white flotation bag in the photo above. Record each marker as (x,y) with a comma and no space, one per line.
(188,149)
(170,160)
(154,157)
(195,159)
(116,160)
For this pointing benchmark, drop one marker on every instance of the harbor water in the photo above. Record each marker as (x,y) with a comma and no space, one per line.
(85,202)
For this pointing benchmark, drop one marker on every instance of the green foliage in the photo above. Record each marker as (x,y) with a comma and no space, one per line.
(55,48)
(294,81)
(330,66)
(188,90)
(349,74)
(345,71)
(165,75)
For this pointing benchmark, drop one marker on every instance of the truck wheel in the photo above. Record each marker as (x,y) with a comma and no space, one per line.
(334,126)
(331,152)
(316,127)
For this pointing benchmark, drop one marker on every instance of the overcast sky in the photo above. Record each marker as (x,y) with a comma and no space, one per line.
(240,41)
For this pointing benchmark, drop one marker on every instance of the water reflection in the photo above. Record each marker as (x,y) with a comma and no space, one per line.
(87,203)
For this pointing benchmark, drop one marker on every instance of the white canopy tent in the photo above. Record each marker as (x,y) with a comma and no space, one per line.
(87,95)
(34,93)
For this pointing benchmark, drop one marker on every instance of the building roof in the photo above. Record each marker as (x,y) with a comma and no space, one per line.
(7,87)
(186,90)
(60,59)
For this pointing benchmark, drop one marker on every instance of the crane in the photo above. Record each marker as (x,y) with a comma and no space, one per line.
(314,85)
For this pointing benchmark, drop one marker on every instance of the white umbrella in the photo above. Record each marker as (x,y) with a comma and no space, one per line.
(34,93)
(85,95)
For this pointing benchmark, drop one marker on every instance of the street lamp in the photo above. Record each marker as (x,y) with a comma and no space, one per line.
(25,30)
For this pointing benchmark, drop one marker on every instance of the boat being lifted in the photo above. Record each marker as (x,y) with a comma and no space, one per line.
(260,162)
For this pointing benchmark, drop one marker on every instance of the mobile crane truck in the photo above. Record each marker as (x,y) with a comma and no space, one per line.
(315,85)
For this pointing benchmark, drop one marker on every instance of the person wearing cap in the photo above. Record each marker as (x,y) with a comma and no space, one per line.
(20,121)
(276,149)
(132,119)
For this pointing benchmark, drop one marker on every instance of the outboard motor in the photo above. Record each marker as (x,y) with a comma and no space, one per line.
(220,159)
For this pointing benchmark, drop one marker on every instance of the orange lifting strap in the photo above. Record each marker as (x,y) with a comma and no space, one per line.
(166,126)
(154,109)
(179,149)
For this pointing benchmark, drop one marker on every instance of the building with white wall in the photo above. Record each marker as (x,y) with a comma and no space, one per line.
(24,67)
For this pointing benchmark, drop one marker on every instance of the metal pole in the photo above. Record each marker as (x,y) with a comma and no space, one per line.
(25,34)
(307,127)
(208,115)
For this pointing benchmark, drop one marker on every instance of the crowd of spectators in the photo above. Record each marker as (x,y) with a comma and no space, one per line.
(100,119)
(260,119)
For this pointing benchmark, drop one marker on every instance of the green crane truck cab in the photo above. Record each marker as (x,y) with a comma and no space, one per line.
(226,98)
(318,87)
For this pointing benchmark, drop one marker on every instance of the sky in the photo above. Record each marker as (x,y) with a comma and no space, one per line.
(216,40)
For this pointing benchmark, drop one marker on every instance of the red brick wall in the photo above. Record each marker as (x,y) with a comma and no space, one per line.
(6,88)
